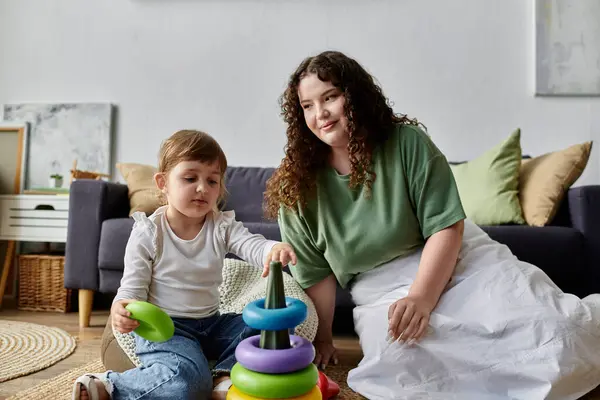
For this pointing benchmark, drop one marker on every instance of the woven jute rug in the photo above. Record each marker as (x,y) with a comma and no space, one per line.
(26,348)
(60,387)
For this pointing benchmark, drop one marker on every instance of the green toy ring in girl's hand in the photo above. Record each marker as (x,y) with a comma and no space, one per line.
(155,324)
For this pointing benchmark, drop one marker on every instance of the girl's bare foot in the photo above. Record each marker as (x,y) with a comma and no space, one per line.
(102,393)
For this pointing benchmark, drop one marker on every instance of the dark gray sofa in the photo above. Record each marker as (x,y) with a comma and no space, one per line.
(568,250)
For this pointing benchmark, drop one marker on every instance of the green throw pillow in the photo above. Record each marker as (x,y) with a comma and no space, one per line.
(488,185)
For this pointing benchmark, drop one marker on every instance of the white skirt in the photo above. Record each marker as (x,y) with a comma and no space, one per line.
(501,330)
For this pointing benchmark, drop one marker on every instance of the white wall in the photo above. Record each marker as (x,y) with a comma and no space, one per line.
(463,67)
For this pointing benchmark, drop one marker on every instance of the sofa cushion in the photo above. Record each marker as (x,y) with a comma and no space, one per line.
(488,184)
(544,181)
(109,280)
(269,230)
(245,188)
(113,240)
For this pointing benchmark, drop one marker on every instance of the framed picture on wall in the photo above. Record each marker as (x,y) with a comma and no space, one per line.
(61,133)
(14,139)
(567,48)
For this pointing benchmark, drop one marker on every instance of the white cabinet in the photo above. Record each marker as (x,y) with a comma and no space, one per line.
(34,218)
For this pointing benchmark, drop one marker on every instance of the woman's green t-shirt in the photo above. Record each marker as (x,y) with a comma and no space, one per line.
(340,230)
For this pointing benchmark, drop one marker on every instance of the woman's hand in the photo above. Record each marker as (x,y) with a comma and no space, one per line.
(408,318)
(282,252)
(120,316)
(325,353)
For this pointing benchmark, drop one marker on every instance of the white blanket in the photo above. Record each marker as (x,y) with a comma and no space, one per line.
(501,330)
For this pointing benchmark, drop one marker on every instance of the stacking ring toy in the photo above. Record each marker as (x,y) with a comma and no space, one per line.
(257,316)
(235,394)
(155,324)
(274,386)
(267,361)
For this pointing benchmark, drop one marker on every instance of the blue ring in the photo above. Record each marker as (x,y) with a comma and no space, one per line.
(277,319)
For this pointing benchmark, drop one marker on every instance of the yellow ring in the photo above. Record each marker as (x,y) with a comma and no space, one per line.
(235,394)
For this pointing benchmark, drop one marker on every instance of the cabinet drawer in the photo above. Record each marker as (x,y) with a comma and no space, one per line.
(36,214)
(33,222)
(36,204)
(34,218)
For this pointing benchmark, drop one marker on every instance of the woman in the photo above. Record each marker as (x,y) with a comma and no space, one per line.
(367,199)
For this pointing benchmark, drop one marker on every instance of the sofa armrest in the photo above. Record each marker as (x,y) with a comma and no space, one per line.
(584,210)
(91,202)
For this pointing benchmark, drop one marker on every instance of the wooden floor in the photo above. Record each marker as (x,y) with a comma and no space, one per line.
(88,345)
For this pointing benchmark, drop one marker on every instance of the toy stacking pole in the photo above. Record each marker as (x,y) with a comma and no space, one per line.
(277,364)
(275,298)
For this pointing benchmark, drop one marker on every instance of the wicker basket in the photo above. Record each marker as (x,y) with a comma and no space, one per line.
(41,284)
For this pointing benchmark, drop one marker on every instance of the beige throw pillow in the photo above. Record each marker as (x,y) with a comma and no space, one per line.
(544,180)
(143,193)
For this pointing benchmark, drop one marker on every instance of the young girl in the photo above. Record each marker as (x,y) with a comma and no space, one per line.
(367,199)
(174,260)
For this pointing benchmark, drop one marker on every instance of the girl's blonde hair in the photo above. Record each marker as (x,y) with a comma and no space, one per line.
(192,145)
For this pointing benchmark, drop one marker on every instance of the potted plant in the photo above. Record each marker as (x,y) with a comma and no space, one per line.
(56,181)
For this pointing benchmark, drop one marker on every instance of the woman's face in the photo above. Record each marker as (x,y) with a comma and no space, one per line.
(323,107)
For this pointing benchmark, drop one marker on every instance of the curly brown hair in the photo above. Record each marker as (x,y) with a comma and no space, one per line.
(370,120)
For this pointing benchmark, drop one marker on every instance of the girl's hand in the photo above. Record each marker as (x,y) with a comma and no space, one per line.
(408,318)
(325,352)
(120,317)
(282,252)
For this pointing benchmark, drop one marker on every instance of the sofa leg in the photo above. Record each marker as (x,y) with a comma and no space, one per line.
(86,299)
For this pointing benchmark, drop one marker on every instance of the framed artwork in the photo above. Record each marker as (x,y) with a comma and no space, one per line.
(567,47)
(62,133)
(13,154)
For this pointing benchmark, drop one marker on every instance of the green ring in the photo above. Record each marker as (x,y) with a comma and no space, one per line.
(155,324)
(274,386)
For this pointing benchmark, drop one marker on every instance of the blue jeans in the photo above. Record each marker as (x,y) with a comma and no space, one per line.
(178,368)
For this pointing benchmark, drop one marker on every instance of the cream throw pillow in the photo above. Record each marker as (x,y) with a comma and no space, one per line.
(544,181)
(143,193)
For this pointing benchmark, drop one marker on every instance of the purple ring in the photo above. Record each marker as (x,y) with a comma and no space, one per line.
(267,361)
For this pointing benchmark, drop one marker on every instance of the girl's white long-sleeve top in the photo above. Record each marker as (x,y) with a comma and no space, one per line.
(182,277)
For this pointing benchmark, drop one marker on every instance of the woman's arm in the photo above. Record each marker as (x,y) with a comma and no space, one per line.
(438,261)
(322,295)
(314,274)
(409,316)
